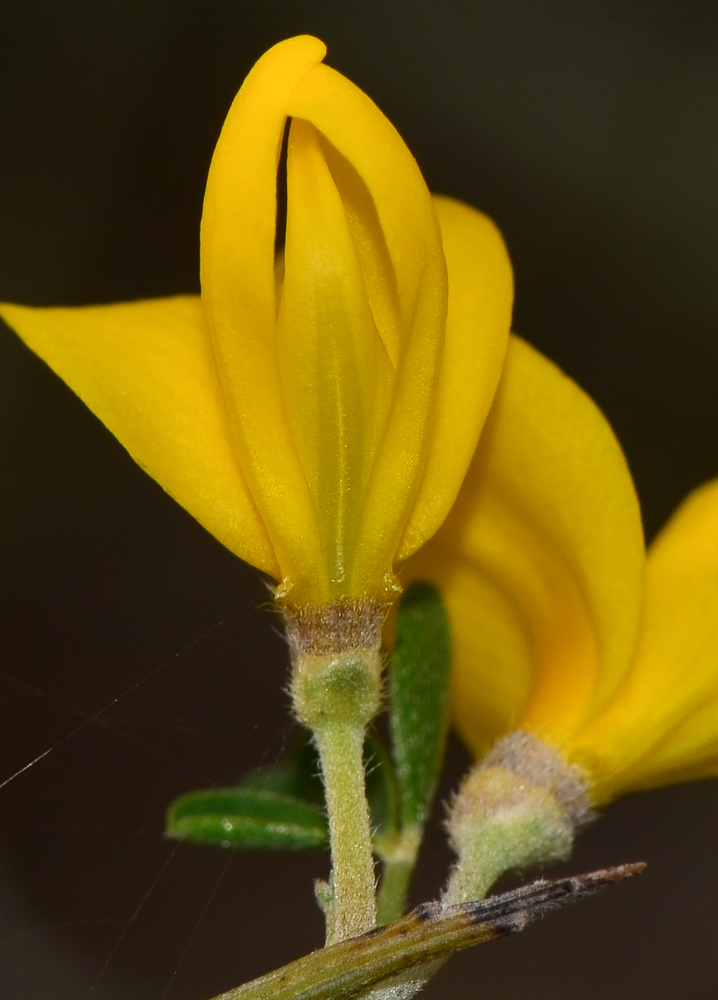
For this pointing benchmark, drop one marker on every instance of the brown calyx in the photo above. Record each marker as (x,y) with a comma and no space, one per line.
(348,623)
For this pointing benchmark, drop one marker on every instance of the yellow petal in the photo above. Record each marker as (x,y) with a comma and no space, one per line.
(547,523)
(146,370)
(345,543)
(387,198)
(335,373)
(663,718)
(689,752)
(491,652)
(238,291)
(395,231)
(477,332)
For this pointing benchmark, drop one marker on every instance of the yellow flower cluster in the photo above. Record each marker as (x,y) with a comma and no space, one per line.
(318,407)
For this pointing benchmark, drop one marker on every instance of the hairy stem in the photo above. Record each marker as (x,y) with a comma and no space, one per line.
(351,908)
(336,685)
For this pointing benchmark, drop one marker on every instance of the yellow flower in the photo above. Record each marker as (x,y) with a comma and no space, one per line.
(563,628)
(315,412)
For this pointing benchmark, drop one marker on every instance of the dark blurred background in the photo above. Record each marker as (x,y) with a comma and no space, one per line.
(132,646)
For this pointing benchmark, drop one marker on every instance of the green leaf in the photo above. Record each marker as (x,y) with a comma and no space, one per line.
(248,817)
(281,806)
(418,686)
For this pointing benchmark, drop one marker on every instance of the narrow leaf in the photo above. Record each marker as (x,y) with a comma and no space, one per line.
(247,817)
(418,685)
(282,806)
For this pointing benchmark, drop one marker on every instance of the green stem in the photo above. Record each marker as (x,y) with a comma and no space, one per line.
(399,859)
(351,909)
(336,688)
(393,891)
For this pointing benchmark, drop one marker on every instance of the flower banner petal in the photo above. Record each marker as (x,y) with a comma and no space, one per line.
(238,292)
(477,331)
(547,521)
(146,370)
